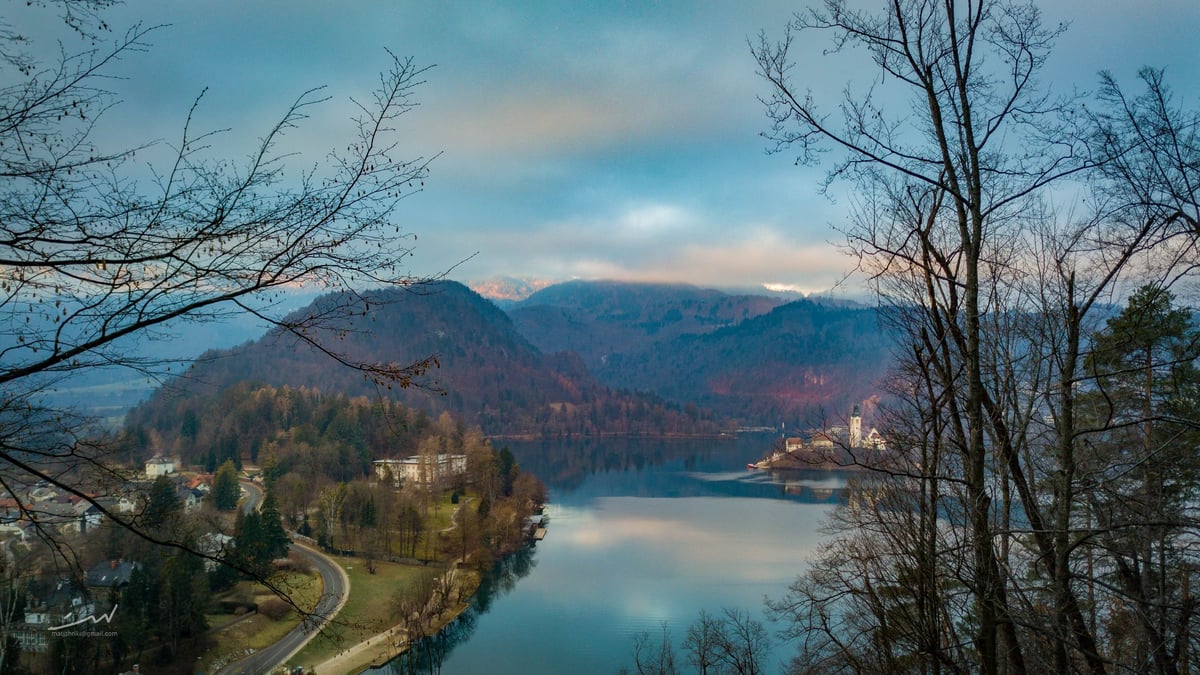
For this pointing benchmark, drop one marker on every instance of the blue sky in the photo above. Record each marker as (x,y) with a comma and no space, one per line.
(578,139)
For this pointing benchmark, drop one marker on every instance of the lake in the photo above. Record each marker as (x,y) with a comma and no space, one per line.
(640,533)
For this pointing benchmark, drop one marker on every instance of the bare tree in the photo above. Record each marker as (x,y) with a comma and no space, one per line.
(93,260)
(1152,145)
(650,658)
(995,297)
(701,643)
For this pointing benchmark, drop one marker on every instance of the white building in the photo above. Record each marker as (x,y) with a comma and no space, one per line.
(420,469)
(160,466)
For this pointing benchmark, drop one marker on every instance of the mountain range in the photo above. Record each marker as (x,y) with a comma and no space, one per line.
(584,358)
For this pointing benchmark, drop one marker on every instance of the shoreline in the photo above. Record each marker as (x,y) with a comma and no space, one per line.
(719,435)
(378,649)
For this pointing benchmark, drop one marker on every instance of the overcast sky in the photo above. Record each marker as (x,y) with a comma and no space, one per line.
(606,139)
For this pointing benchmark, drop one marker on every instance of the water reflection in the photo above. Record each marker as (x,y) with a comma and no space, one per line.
(583,471)
(428,655)
(566,465)
(641,532)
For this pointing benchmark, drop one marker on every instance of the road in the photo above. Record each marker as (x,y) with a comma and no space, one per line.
(254,496)
(337,588)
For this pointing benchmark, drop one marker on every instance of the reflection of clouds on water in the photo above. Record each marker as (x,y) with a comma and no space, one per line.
(815,480)
(641,561)
(628,549)
(724,476)
(696,538)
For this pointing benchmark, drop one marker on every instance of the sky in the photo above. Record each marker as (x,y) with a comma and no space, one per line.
(596,140)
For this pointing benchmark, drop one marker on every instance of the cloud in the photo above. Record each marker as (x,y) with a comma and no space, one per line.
(658,242)
(600,140)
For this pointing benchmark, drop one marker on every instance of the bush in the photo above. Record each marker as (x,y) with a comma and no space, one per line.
(294,563)
(236,607)
(274,608)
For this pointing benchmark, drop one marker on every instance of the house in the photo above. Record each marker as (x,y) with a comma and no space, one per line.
(875,440)
(17,530)
(160,466)
(189,498)
(124,502)
(111,574)
(12,516)
(822,439)
(87,515)
(213,544)
(202,483)
(420,469)
(67,514)
(51,605)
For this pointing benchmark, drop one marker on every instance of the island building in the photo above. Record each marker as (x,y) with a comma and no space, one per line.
(801,450)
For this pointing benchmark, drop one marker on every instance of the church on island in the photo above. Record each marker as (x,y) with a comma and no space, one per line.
(824,447)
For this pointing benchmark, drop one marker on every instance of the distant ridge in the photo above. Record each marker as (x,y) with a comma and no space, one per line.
(758,359)
(597,319)
(491,375)
(504,290)
(581,358)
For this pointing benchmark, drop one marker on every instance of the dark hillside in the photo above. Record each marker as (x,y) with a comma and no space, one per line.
(597,319)
(788,365)
(491,375)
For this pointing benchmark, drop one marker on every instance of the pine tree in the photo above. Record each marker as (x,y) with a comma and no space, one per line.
(163,507)
(225,489)
(274,536)
(250,539)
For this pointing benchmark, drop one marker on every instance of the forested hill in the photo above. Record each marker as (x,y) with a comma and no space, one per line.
(749,358)
(569,356)
(491,375)
(801,361)
(596,319)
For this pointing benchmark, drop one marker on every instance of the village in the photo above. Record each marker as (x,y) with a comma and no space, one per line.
(48,607)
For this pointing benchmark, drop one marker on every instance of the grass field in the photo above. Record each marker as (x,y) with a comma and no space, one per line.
(368,611)
(233,633)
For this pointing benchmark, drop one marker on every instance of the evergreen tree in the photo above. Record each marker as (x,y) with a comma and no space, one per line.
(1146,475)
(275,537)
(139,612)
(183,597)
(507,464)
(12,656)
(163,507)
(225,489)
(190,425)
(249,537)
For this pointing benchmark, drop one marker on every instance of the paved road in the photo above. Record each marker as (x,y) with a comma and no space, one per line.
(337,588)
(254,496)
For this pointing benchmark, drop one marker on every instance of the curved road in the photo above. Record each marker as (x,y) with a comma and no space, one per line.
(254,496)
(337,588)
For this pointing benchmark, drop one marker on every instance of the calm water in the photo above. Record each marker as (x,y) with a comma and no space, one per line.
(639,534)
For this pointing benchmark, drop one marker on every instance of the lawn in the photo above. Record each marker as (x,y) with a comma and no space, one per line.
(367,612)
(232,633)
